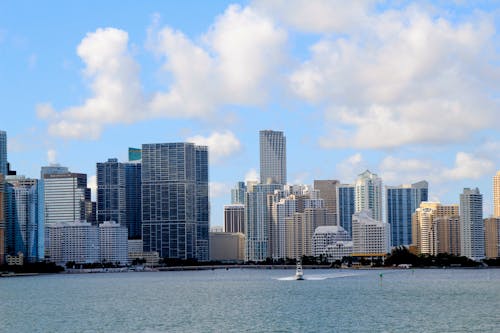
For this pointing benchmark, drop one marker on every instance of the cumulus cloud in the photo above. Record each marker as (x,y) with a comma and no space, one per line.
(231,64)
(351,167)
(252,175)
(467,166)
(51,156)
(407,77)
(220,144)
(218,189)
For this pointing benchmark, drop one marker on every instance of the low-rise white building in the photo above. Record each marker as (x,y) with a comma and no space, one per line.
(72,241)
(369,237)
(332,242)
(113,240)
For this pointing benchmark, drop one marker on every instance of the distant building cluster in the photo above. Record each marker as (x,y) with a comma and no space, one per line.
(156,205)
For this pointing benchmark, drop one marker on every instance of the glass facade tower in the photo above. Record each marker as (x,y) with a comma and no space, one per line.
(402,201)
(345,206)
(175,206)
(3,153)
(272,157)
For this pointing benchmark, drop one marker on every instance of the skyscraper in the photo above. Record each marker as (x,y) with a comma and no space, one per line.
(133,199)
(496,195)
(368,194)
(345,206)
(3,153)
(2,219)
(66,197)
(272,157)
(111,200)
(492,237)
(328,192)
(402,201)
(238,193)
(175,210)
(257,221)
(234,218)
(369,236)
(471,223)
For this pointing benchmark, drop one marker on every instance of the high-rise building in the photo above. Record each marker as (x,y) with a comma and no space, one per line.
(368,194)
(234,218)
(328,192)
(492,237)
(175,206)
(257,221)
(345,206)
(471,222)
(22,217)
(238,193)
(280,210)
(113,243)
(133,199)
(496,195)
(2,219)
(272,157)
(369,236)
(402,201)
(434,228)
(3,153)
(66,197)
(111,197)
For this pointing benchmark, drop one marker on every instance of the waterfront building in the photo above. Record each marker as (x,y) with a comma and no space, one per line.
(135,252)
(3,153)
(113,243)
(272,157)
(175,205)
(368,194)
(238,193)
(300,229)
(471,221)
(328,192)
(66,197)
(22,217)
(234,218)
(369,236)
(111,197)
(434,228)
(227,246)
(401,203)
(133,213)
(72,241)
(257,220)
(345,206)
(280,210)
(2,218)
(331,242)
(492,237)
(496,195)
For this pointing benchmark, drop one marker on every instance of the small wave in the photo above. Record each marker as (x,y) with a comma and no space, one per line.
(317,277)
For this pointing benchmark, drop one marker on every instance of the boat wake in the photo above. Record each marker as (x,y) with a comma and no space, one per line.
(318,277)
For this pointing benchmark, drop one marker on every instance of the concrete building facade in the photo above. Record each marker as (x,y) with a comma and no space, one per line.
(272,157)
(471,222)
(369,236)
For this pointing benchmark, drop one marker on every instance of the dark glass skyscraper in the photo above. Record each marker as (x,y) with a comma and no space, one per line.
(175,206)
(272,157)
(402,201)
(133,199)
(345,206)
(3,153)
(111,201)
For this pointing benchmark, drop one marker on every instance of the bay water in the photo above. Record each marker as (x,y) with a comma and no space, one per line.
(254,300)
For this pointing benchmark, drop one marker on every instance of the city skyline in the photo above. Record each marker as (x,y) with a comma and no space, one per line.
(415,112)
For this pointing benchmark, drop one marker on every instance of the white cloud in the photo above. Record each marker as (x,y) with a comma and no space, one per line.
(407,77)
(348,169)
(114,81)
(467,166)
(51,156)
(252,175)
(92,184)
(218,189)
(220,144)
(319,15)
(233,63)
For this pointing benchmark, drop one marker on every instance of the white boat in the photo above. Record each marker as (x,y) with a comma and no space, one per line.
(299,273)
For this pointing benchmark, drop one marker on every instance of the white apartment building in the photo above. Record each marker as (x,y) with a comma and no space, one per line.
(369,236)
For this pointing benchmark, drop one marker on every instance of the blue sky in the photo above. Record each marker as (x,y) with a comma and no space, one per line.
(406,89)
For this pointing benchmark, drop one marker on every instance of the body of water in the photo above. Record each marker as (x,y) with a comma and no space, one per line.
(253,300)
